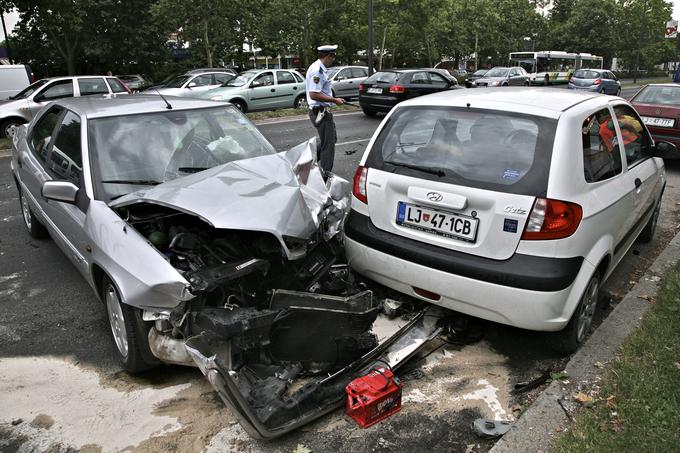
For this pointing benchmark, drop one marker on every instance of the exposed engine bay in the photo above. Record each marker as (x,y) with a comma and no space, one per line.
(276,322)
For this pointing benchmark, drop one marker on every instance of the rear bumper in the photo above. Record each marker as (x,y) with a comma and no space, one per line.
(529,292)
(381,103)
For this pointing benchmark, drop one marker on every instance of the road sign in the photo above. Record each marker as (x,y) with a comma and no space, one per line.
(672,29)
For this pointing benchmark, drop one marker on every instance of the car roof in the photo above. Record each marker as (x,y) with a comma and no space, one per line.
(104,106)
(548,102)
(667,84)
(75,77)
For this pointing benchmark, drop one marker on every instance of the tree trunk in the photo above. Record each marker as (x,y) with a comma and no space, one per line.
(429,51)
(208,52)
(382,50)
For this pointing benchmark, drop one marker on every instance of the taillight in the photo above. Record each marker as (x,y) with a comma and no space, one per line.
(361,87)
(397,89)
(359,189)
(597,82)
(552,219)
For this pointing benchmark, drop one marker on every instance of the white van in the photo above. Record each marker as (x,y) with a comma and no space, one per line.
(13,79)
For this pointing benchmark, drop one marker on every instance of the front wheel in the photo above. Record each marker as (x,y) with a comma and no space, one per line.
(546,81)
(618,92)
(647,233)
(33,225)
(240,105)
(7,127)
(574,334)
(130,332)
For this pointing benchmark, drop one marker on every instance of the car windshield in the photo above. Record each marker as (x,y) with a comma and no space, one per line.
(177,82)
(664,95)
(481,72)
(585,74)
(332,72)
(29,90)
(240,79)
(497,72)
(382,77)
(132,151)
(479,148)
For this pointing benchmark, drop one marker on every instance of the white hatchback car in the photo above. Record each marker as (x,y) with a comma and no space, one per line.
(512,205)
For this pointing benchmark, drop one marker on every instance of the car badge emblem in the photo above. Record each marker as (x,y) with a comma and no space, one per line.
(658,111)
(434,196)
(426,217)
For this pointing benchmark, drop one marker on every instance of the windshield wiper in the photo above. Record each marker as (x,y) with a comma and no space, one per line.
(191,169)
(430,170)
(139,182)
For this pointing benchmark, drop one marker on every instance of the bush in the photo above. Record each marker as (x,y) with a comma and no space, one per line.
(628,74)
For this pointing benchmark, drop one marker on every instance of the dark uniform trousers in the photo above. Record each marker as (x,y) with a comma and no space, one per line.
(325,152)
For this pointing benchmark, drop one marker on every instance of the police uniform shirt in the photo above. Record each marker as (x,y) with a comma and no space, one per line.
(317,81)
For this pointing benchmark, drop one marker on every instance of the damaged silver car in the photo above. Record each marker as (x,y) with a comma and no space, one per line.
(209,249)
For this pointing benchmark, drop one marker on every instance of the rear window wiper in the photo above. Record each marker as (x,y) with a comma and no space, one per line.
(432,170)
(138,182)
(191,169)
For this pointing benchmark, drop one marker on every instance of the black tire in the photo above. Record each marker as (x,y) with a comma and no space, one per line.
(240,105)
(33,225)
(6,125)
(647,233)
(526,84)
(618,92)
(299,102)
(546,81)
(129,332)
(369,112)
(568,340)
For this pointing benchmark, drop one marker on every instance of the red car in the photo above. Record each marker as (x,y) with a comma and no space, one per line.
(659,107)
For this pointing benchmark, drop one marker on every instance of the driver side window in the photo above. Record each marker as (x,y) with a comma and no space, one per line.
(264,79)
(57,90)
(41,135)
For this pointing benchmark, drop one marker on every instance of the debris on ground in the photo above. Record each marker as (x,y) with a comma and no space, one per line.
(583,398)
(490,429)
(522,387)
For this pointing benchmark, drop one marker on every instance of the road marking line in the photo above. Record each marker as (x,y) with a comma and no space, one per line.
(353,141)
(297,118)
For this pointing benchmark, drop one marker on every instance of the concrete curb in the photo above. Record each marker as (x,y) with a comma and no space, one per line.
(549,413)
(5,152)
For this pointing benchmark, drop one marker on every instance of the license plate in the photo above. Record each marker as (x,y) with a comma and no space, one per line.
(658,122)
(374,90)
(437,222)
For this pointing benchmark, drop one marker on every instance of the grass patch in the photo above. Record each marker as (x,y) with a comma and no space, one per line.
(5,143)
(282,113)
(639,405)
(629,82)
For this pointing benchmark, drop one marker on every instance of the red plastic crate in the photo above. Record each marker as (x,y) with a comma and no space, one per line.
(373,397)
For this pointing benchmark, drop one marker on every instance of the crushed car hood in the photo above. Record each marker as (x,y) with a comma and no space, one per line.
(283,194)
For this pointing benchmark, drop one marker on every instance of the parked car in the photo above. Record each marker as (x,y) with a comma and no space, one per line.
(507,207)
(345,80)
(597,80)
(13,79)
(262,89)
(166,80)
(204,245)
(22,107)
(134,82)
(385,89)
(478,74)
(503,77)
(192,85)
(659,108)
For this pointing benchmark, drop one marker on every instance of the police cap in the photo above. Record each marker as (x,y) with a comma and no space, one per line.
(327,48)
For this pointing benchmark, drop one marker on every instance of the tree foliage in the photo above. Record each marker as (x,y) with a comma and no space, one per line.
(94,36)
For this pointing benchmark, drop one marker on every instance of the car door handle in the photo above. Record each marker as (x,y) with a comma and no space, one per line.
(272,90)
(351,82)
(638,183)
(295,88)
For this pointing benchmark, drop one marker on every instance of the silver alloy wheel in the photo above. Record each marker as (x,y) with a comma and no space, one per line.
(25,210)
(587,309)
(116,319)
(10,129)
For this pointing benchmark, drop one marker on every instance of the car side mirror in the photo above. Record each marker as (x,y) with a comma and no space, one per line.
(39,98)
(339,78)
(60,191)
(255,84)
(665,150)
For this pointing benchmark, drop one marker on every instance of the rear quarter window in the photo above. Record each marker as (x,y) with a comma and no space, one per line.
(493,150)
(383,77)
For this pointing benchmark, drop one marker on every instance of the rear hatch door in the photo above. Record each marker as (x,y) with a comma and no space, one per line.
(464,180)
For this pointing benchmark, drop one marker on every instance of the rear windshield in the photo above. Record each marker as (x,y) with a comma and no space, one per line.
(486,149)
(584,74)
(666,95)
(383,77)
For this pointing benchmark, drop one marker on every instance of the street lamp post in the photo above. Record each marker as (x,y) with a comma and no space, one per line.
(370,38)
(640,41)
(4,30)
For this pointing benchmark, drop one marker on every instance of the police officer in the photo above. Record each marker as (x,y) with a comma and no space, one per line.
(320,99)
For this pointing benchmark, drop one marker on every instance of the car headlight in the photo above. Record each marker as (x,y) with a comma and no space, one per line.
(216,98)
(495,83)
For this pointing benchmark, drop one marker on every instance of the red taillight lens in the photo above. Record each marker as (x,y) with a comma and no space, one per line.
(397,89)
(361,88)
(552,219)
(426,294)
(359,188)
(597,82)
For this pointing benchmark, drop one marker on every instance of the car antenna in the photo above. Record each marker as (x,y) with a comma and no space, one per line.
(468,105)
(169,107)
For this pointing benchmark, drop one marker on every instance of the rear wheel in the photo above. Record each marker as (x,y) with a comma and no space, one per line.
(369,112)
(33,225)
(574,334)
(129,331)
(299,102)
(647,233)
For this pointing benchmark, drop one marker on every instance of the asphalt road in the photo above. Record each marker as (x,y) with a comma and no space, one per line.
(55,339)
